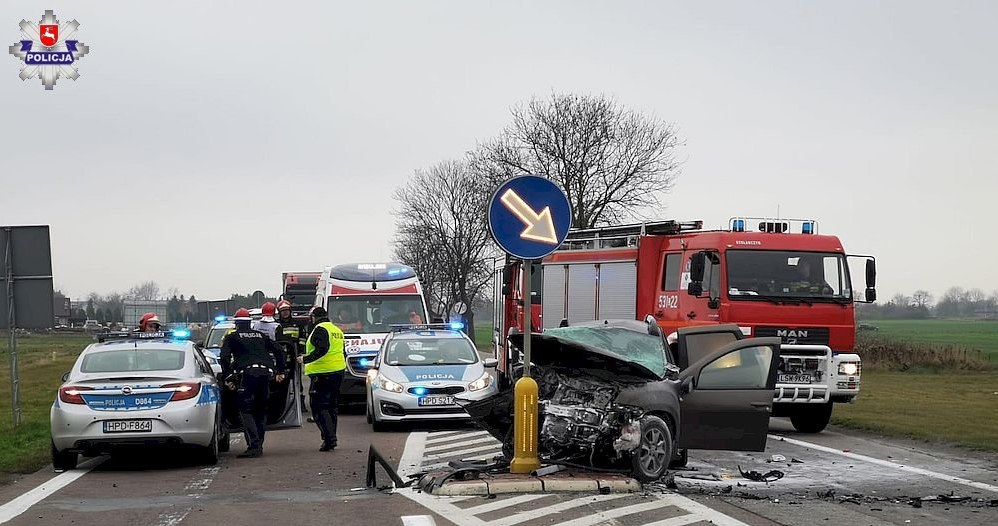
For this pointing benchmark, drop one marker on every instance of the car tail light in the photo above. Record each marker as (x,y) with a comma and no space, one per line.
(184,391)
(71,394)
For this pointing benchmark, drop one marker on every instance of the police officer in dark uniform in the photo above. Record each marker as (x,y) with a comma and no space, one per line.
(253,357)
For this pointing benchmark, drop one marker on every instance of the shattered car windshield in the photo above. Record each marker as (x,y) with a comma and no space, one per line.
(642,348)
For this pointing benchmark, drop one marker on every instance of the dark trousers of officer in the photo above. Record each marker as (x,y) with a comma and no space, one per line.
(323,397)
(254,392)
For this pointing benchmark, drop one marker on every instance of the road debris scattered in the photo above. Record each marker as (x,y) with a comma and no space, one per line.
(755,476)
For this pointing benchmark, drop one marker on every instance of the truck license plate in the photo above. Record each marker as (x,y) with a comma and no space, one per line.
(794,379)
(436,400)
(127,426)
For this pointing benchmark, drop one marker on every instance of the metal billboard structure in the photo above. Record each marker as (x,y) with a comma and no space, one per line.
(26,289)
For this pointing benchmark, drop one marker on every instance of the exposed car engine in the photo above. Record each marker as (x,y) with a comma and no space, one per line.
(579,418)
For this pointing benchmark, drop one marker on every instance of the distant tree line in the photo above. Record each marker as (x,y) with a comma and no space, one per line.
(109,308)
(957,302)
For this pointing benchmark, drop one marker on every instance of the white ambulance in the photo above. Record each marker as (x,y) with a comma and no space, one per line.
(364,300)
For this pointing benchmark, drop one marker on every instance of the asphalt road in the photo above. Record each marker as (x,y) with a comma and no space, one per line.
(837,478)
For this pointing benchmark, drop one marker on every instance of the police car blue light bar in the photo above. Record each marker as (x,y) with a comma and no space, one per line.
(181,334)
(220,318)
(456,326)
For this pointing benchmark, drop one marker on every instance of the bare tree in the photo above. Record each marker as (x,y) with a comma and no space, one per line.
(901,300)
(148,290)
(442,232)
(610,161)
(921,298)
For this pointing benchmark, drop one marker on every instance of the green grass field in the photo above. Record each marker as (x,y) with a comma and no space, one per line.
(955,407)
(43,360)
(483,336)
(972,334)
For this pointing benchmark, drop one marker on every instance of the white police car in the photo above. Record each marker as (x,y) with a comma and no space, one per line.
(422,371)
(137,389)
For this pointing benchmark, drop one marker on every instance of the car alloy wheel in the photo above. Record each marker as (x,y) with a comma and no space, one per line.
(652,457)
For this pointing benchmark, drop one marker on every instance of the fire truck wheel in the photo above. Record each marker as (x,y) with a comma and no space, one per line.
(812,418)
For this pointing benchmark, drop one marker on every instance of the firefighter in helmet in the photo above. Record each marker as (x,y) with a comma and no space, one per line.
(149,322)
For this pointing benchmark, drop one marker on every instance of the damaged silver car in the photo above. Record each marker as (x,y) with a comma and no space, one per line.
(611,397)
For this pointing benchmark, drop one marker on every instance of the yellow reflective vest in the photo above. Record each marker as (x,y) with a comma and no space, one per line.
(333,360)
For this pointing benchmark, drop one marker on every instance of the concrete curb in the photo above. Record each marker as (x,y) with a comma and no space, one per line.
(466,488)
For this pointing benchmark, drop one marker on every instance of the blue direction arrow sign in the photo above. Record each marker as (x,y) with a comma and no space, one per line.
(529,216)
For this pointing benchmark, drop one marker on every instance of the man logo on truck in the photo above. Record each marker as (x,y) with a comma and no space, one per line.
(790,336)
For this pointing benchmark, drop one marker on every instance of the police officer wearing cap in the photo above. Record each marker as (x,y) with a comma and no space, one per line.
(324,364)
(253,358)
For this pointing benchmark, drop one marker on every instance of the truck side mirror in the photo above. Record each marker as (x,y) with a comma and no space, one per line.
(697,264)
(871,280)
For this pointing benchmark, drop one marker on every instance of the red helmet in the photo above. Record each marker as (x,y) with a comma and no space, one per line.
(242,315)
(283,304)
(268,309)
(147,318)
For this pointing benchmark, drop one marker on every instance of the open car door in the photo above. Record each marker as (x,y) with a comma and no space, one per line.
(698,341)
(731,396)
(283,408)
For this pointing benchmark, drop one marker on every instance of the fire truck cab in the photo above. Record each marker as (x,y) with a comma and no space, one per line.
(780,279)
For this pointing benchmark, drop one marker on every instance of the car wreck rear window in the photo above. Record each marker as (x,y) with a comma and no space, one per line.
(643,349)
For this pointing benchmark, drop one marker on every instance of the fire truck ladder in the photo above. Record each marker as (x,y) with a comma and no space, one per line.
(622,236)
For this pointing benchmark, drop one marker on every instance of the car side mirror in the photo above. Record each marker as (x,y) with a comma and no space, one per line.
(687,386)
(490,363)
(65,376)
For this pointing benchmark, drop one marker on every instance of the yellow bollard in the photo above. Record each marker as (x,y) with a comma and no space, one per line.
(525,432)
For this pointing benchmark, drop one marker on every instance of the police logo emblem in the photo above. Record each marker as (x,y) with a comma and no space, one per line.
(47,50)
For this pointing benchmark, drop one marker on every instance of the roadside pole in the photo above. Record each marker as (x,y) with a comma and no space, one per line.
(15,381)
(529,217)
(525,432)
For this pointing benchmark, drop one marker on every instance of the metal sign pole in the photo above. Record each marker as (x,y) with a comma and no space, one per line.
(15,382)
(528,300)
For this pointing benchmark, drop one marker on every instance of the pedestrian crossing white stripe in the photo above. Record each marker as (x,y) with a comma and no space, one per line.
(505,503)
(443,447)
(437,439)
(679,521)
(437,434)
(418,520)
(438,465)
(554,508)
(412,455)
(704,512)
(497,448)
(602,516)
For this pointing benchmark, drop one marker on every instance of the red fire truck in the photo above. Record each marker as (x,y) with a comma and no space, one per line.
(779,279)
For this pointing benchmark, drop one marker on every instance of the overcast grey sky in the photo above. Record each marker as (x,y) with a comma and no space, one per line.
(209,145)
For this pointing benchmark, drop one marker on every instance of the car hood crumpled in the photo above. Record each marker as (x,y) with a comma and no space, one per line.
(553,351)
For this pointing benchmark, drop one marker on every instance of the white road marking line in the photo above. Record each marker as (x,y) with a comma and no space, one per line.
(438,434)
(418,520)
(496,448)
(678,521)
(505,503)
(702,511)
(889,464)
(603,516)
(525,516)
(443,447)
(412,455)
(437,439)
(39,493)
(195,489)
(487,456)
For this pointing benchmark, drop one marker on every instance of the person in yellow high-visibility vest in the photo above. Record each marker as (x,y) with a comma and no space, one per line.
(324,364)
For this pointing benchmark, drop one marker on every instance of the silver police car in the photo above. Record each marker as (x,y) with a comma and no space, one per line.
(421,372)
(137,389)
